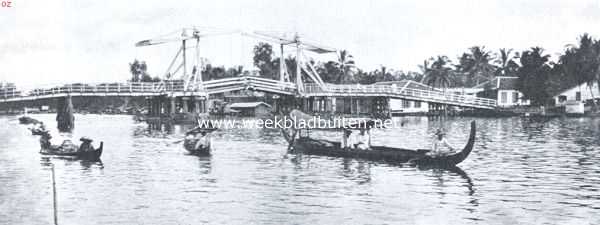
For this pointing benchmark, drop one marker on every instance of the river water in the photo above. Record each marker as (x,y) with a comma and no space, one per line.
(521,171)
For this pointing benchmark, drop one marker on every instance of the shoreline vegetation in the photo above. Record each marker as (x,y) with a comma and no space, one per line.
(538,77)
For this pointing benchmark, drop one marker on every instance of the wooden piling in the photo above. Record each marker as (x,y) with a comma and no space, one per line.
(54,203)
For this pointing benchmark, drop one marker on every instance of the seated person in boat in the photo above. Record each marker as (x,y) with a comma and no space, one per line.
(202,137)
(439,143)
(38,127)
(363,140)
(346,140)
(46,145)
(86,145)
(45,140)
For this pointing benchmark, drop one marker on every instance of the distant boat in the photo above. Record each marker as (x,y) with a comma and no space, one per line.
(28,120)
(190,144)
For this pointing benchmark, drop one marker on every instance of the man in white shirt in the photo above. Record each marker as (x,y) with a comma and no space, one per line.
(439,143)
(363,140)
(203,141)
(346,139)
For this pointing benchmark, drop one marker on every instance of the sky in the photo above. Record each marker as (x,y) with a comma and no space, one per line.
(66,41)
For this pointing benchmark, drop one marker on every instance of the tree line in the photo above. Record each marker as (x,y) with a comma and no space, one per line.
(538,76)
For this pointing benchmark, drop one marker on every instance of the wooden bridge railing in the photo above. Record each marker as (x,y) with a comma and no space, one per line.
(236,83)
(216,86)
(263,84)
(436,96)
(129,87)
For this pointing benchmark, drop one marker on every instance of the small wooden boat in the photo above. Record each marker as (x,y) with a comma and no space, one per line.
(85,151)
(190,144)
(28,120)
(307,145)
(90,155)
(36,131)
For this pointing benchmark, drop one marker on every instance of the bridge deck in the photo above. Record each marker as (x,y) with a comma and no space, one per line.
(176,88)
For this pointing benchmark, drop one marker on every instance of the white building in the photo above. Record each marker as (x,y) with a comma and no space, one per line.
(505,91)
(402,106)
(578,94)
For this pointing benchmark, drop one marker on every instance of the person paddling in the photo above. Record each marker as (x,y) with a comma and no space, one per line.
(439,143)
(203,141)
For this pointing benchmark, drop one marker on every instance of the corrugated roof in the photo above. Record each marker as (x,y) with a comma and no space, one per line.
(248,104)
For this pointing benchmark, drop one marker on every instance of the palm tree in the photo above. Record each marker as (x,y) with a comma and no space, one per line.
(534,74)
(481,64)
(425,69)
(582,63)
(507,66)
(440,73)
(346,64)
(383,74)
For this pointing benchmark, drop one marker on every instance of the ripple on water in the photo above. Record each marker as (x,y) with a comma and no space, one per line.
(521,171)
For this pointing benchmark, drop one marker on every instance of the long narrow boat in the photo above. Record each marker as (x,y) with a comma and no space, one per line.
(88,154)
(85,151)
(28,120)
(307,145)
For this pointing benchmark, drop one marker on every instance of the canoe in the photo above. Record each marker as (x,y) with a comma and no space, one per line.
(190,144)
(73,151)
(37,131)
(306,145)
(28,120)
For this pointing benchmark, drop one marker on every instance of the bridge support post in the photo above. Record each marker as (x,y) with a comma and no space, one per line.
(150,103)
(162,106)
(197,106)
(333,105)
(153,106)
(185,101)
(172,106)
(64,114)
(156,106)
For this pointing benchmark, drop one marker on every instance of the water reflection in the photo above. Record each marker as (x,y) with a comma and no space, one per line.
(46,161)
(521,171)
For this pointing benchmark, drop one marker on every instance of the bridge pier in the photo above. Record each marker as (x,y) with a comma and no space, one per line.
(64,114)
(381,107)
(185,101)
(172,105)
(378,107)
(333,104)
(181,108)
(156,106)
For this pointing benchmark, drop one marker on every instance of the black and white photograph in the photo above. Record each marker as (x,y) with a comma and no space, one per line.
(299,112)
